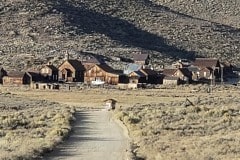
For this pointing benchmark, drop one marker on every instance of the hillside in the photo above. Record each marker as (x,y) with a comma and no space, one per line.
(33,32)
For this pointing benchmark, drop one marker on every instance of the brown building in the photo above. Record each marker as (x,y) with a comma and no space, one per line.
(183,74)
(2,74)
(17,78)
(50,72)
(208,67)
(137,77)
(170,80)
(71,71)
(151,76)
(101,72)
(142,59)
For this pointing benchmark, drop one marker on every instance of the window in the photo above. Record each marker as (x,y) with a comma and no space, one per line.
(204,74)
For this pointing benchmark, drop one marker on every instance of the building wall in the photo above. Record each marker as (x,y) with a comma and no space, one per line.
(170,82)
(49,74)
(76,76)
(46,71)
(95,73)
(25,80)
(205,73)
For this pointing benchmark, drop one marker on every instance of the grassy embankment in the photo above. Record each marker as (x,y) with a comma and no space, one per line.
(31,127)
(208,129)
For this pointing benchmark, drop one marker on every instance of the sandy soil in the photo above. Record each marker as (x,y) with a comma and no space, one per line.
(95,136)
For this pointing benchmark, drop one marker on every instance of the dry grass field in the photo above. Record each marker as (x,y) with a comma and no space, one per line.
(31,127)
(207,129)
(161,123)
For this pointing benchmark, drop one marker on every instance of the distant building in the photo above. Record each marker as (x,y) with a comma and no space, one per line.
(183,74)
(71,71)
(132,67)
(50,72)
(101,72)
(17,78)
(170,80)
(142,59)
(209,68)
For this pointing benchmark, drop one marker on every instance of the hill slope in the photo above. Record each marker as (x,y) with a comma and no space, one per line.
(167,29)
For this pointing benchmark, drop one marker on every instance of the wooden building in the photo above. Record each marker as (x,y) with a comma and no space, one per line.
(183,74)
(50,72)
(137,77)
(142,59)
(151,76)
(71,71)
(101,72)
(17,78)
(170,80)
(2,74)
(208,68)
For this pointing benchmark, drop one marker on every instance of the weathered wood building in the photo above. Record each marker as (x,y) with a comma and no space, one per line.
(183,74)
(208,68)
(71,71)
(50,73)
(170,80)
(142,59)
(101,72)
(17,78)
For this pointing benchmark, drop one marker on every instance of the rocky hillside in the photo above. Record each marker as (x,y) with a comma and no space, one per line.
(33,32)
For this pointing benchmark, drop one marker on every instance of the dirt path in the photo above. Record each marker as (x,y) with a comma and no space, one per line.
(95,136)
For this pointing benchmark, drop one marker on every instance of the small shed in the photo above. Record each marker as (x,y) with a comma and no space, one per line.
(110,104)
(170,80)
(17,78)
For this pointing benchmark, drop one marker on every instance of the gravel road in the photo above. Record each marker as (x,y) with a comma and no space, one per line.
(96,136)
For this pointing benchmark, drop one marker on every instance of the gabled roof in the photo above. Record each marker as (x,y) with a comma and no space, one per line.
(140,57)
(16,74)
(138,73)
(169,72)
(52,67)
(149,72)
(95,60)
(107,68)
(193,69)
(110,100)
(206,62)
(36,76)
(88,66)
(171,78)
(132,67)
(77,65)
(185,72)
